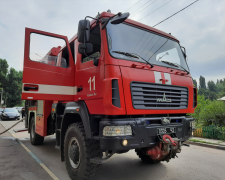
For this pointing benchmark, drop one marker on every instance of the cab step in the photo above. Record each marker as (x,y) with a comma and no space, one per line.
(20,130)
(57,147)
(98,160)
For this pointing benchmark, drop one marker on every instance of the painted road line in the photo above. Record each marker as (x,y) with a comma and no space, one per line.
(34,157)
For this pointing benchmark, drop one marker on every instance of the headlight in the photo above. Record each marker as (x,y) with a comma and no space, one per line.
(117,130)
(4,114)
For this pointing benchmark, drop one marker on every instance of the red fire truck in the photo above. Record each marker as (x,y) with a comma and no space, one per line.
(115,86)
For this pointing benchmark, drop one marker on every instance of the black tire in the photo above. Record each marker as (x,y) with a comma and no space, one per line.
(81,151)
(35,138)
(145,158)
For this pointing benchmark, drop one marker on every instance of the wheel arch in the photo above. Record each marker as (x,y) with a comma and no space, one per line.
(74,112)
(31,114)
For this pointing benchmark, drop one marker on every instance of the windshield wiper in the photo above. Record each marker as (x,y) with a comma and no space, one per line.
(170,63)
(133,55)
(163,55)
(126,54)
(176,65)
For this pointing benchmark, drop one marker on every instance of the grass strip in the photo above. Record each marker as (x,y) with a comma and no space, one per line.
(201,141)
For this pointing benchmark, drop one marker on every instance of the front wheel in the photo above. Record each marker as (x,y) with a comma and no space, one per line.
(78,151)
(35,138)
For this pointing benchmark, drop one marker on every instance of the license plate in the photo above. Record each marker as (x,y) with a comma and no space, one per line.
(11,117)
(166,130)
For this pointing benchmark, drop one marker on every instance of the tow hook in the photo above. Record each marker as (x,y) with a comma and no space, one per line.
(166,136)
(165,150)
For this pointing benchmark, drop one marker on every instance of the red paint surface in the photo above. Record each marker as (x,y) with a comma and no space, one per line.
(145,75)
(39,73)
(41,121)
(98,100)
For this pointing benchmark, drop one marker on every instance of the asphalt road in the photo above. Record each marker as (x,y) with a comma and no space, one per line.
(16,163)
(194,162)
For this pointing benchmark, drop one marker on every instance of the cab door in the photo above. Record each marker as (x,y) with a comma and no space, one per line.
(48,71)
(89,77)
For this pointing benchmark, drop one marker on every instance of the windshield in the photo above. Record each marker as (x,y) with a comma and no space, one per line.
(152,47)
(11,110)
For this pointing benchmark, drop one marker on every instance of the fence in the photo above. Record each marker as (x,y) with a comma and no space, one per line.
(212,132)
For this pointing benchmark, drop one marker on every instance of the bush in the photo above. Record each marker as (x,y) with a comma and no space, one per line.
(202,103)
(213,113)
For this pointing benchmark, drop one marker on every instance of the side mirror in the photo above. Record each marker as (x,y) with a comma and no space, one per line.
(86,48)
(120,18)
(83,33)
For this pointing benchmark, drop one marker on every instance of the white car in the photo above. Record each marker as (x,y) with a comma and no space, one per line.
(1,110)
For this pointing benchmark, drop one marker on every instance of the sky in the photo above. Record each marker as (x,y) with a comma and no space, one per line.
(200,28)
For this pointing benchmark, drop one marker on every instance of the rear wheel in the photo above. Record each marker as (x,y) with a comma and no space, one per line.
(35,138)
(145,158)
(78,151)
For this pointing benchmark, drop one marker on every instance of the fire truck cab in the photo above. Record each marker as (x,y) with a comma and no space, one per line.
(115,86)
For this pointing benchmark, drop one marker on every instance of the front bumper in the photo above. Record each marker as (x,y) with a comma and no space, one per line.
(144,132)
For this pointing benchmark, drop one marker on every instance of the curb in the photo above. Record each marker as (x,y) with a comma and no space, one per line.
(207,145)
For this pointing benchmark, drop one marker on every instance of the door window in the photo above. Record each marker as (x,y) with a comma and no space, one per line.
(95,40)
(48,50)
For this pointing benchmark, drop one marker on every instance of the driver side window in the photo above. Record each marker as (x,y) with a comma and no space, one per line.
(95,40)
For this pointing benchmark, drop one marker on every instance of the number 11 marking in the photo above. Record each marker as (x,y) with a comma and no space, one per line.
(89,81)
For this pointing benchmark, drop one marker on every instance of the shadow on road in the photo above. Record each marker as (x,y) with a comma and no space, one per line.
(129,166)
(121,166)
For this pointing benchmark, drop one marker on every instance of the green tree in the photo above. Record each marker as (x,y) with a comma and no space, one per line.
(202,103)
(13,88)
(211,86)
(3,72)
(195,83)
(211,95)
(219,87)
(3,75)
(222,93)
(213,113)
(202,82)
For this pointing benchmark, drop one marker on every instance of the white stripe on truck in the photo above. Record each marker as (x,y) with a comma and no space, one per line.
(52,89)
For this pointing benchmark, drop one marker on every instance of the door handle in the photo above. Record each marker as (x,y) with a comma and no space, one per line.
(29,87)
(79,89)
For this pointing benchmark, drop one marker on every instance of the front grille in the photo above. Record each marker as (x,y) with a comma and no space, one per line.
(158,96)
